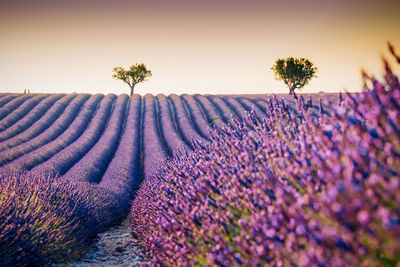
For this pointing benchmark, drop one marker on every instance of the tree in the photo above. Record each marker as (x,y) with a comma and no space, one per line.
(294,72)
(137,73)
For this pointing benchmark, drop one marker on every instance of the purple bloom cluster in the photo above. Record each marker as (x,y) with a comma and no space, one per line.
(44,220)
(24,123)
(297,189)
(42,124)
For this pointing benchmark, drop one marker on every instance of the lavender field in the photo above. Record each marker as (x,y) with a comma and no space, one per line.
(206,180)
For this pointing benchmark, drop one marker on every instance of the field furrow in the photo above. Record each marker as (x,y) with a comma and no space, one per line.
(186,126)
(33,116)
(43,123)
(20,112)
(45,151)
(249,106)
(6,98)
(12,105)
(91,167)
(223,109)
(214,117)
(154,148)
(61,162)
(122,175)
(170,133)
(197,116)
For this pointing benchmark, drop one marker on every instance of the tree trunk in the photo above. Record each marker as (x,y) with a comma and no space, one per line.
(291,92)
(132,87)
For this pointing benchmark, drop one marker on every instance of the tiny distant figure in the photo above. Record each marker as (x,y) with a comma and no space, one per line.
(29,91)
(24,91)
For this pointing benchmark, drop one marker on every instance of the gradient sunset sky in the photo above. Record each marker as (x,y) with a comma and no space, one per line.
(206,47)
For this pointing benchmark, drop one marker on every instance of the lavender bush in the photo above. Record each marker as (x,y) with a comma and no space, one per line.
(297,189)
(44,220)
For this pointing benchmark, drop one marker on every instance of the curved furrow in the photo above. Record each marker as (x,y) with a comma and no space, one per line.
(21,111)
(197,115)
(250,106)
(44,122)
(255,102)
(174,140)
(154,148)
(223,108)
(7,98)
(122,175)
(61,162)
(185,124)
(213,115)
(34,115)
(12,105)
(234,105)
(65,134)
(91,167)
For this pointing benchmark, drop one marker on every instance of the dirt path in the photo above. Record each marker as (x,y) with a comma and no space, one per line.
(116,247)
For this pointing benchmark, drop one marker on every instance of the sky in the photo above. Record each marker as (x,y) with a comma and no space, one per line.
(205,47)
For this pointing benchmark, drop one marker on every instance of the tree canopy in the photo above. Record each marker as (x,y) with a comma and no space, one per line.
(135,74)
(294,72)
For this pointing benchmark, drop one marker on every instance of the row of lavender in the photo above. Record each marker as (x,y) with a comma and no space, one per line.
(295,188)
(86,156)
(55,143)
(59,138)
(50,219)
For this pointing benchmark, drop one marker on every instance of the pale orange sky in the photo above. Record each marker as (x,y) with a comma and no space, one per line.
(217,46)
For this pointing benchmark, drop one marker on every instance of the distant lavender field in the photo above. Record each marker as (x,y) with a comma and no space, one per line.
(224,179)
(78,145)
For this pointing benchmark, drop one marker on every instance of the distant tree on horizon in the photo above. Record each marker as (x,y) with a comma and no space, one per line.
(135,74)
(294,72)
